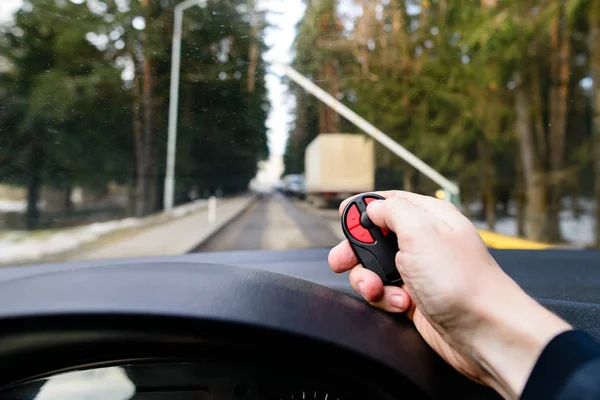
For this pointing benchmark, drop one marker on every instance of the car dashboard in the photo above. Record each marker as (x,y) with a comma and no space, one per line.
(239,325)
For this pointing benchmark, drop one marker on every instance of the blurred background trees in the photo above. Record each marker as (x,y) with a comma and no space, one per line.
(84,98)
(503,97)
(496,95)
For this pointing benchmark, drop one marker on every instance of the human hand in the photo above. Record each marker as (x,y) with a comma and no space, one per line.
(462,303)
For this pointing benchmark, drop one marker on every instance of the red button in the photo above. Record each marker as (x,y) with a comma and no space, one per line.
(385,232)
(361,234)
(352,218)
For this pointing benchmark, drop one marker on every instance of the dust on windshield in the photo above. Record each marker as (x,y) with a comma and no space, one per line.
(143,127)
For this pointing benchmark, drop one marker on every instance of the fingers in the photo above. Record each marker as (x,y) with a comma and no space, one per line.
(395,300)
(342,258)
(425,203)
(384,194)
(442,209)
(369,285)
(401,216)
(366,282)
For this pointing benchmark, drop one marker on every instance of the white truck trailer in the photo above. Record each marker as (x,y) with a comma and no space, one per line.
(337,166)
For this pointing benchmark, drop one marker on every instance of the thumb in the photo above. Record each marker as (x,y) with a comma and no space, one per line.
(401,216)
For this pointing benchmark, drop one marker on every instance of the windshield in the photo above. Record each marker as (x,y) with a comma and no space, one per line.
(144,127)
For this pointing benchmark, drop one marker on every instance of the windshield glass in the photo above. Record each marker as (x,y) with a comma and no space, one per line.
(145,127)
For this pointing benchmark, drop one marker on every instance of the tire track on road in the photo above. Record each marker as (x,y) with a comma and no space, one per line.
(316,228)
(242,234)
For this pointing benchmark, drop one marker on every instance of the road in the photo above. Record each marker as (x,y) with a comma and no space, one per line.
(278,223)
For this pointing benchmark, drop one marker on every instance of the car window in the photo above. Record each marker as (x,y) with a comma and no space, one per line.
(222,125)
(180,381)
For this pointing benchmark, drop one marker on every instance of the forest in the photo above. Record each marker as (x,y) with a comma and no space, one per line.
(84,93)
(501,96)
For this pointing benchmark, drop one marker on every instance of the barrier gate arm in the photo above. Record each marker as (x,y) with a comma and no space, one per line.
(371,130)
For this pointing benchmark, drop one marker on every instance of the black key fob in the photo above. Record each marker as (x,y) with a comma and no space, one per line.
(375,248)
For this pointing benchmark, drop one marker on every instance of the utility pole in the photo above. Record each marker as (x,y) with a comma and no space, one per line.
(169,193)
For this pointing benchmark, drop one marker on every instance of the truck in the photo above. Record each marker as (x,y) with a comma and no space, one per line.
(338,165)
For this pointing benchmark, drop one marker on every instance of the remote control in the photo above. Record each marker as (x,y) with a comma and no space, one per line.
(375,248)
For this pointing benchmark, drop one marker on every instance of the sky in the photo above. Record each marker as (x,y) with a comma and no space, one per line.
(282,16)
(7,7)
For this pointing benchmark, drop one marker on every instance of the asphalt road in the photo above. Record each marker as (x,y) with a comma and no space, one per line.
(276,222)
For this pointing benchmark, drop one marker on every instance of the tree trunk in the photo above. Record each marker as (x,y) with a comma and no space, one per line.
(409,179)
(560,39)
(253,61)
(143,135)
(68,202)
(329,120)
(490,207)
(158,187)
(301,123)
(520,199)
(488,175)
(595,57)
(538,114)
(154,185)
(576,202)
(537,217)
(521,204)
(253,50)
(140,176)
(398,42)
(443,10)
(148,145)
(131,196)
(364,32)
(36,161)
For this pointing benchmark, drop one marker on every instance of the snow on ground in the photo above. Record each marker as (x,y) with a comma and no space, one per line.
(19,246)
(12,206)
(577,230)
(17,206)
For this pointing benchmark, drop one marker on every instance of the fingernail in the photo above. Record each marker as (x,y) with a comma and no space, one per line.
(397,301)
(361,287)
(375,203)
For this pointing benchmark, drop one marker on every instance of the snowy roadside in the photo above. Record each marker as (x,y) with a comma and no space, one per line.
(16,206)
(24,246)
(578,230)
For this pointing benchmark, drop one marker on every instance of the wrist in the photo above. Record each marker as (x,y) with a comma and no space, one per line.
(511,337)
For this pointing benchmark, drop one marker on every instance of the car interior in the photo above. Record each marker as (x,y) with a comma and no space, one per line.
(238,325)
(173,176)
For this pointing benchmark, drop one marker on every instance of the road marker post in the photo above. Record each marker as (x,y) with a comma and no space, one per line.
(212,210)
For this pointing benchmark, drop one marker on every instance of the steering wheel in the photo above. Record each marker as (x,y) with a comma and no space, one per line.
(228,332)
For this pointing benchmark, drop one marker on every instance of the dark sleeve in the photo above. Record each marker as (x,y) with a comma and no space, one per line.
(568,368)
